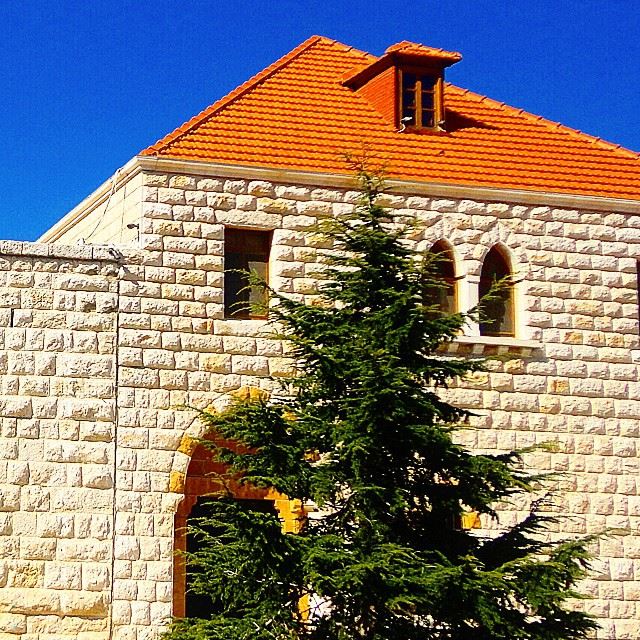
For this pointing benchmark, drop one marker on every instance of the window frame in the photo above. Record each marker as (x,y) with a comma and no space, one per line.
(443,248)
(245,255)
(486,330)
(438,105)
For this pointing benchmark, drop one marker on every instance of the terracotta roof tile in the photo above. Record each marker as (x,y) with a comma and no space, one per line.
(298,114)
(415,49)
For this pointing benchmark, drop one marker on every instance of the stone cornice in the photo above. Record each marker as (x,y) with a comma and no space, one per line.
(309,178)
(59,251)
(430,189)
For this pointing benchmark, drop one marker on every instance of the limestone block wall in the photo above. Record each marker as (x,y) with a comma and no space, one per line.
(109,216)
(571,378)
(57,405)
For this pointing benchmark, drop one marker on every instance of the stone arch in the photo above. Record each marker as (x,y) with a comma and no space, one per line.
(197,430)
(445,245)
(202,476)
(508,243)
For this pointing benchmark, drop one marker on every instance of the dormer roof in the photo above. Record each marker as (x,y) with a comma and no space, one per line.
(421,50)
(299,114)
(404,52)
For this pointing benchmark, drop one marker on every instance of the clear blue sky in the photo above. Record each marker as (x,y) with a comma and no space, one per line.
(88,84)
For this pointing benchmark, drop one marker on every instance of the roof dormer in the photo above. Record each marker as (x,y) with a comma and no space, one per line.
(406,85)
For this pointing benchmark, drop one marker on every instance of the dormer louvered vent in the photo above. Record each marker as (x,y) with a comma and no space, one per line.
(406,85)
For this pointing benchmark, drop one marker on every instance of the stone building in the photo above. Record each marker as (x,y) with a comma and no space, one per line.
(122,312)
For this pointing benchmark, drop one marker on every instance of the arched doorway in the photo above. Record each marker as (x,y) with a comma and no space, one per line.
(208,479)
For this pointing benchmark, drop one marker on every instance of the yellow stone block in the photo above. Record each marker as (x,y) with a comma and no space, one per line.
(218,363)
(250,394)
(187,444)
(514,366)
(83,604)
(281,367)
(572,337)
(176,482)
(548,404)
(559,386)
(28,576)
(470,520)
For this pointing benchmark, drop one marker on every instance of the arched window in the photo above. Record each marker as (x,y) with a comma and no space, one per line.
(442,292)
(496,295)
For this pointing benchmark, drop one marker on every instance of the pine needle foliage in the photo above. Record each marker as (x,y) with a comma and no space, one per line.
(363,434)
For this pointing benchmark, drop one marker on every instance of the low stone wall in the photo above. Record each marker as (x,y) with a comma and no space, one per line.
(58,309)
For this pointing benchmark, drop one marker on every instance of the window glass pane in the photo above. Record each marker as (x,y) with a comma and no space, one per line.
(427,100)
(496,296)
(409,106)
(245,251)
(448,303)
(236,297)
(408,80)
(409,99)
(257,294)
(427,82)
(441,294)
(428,119)
(428,109)
(408,117)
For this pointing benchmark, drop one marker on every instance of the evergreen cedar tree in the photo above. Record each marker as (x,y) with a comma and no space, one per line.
(365,437)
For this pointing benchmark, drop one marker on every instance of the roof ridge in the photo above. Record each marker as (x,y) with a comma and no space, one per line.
(405,45)
(347,47)
(233,95)
(576,133)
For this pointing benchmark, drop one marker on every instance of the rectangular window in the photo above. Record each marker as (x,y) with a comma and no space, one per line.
(245,252)
(420,100)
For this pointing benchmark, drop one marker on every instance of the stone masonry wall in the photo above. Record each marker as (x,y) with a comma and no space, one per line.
(57,407)
(571,378)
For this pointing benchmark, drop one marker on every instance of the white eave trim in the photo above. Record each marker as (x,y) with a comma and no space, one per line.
(311,178)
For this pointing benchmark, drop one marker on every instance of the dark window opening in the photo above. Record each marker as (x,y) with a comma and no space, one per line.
(420,98)
(496,296)
(202,606)
(442,293)
(245,252)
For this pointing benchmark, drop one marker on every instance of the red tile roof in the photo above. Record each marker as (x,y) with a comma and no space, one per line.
(297,114)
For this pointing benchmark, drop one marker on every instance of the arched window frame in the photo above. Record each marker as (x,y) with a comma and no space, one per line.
(446,268)
(489,274)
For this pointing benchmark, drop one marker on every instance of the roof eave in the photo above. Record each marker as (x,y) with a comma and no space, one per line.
(293,176)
